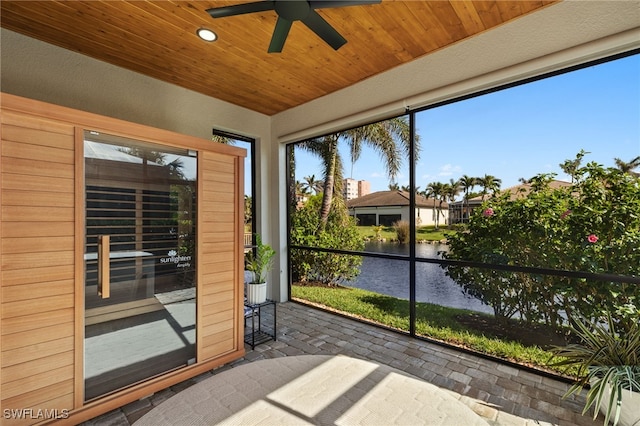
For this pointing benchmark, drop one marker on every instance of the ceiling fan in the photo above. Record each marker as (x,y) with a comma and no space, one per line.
(293,10)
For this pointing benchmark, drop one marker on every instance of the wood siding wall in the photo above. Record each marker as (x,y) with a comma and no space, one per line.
(41,258)
(38,261)
(220,226)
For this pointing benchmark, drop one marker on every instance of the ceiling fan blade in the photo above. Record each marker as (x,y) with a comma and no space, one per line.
(324,30)
(322,4)
(280,34)
(241,9)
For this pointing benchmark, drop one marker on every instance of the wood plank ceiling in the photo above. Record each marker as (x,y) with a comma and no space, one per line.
(158,39)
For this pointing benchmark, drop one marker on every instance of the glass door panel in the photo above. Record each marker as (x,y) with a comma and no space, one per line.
(140,305)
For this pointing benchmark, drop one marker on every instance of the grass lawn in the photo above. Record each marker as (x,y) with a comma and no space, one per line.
(427,233)
(434,321)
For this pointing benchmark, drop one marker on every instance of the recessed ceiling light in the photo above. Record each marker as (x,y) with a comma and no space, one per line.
(206,34)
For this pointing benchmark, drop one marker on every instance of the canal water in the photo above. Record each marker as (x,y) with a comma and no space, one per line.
(391,277)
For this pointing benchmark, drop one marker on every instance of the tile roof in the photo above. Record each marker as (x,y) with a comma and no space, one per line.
(519,191)
(392,198)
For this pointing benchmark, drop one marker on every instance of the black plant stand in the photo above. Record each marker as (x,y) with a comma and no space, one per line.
(256,335)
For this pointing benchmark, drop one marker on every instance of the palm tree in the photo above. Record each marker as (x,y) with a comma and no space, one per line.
(489,183)
(628,167)
(390,138)
(248,210)
(312,184)
(449,193)
(436,190)
(467,183)
(571,167)
(452,189)
(394,186)
(223,139)
(301,190)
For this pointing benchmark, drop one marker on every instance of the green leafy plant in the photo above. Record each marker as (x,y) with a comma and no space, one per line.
(340,232)
(589,225)
(378,230)
(607,360)
(260,261)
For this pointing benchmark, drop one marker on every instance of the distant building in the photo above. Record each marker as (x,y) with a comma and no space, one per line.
(387,207)
(352,188)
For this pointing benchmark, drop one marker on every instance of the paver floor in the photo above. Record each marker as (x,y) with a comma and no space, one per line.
(501,394)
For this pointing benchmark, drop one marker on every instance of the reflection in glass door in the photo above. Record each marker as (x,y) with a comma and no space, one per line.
(140,305)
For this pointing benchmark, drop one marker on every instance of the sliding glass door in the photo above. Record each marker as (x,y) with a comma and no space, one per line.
(140,301)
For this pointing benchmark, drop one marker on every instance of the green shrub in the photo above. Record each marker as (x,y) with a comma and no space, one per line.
(340,232)
(593,225)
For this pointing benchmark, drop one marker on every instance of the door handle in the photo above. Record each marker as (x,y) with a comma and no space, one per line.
(103,266)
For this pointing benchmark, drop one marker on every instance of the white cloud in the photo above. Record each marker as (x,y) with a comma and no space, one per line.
(448,170)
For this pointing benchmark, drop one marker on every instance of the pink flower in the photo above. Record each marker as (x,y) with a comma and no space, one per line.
(488,212)
(565,214)
(593,238)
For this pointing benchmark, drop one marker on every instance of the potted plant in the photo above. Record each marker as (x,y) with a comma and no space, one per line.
(259,263)
(609,361)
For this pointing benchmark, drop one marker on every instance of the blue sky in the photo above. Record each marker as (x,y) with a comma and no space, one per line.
(519,132)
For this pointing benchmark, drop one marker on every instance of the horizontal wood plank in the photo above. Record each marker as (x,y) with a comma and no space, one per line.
(55,396)
(21,197)
(216,217)
(216,228)
(34,306)
(43,334)
(24,261)
(35,244)
(14,293)
(36,214)
(220,196)
(218,282)
(41,138)
(42,230)
(37,274)
(34,321)
(216,305)
(21,119)
(214,206)
(213,339)
(214,317)
(37,366)
(213,176)
(37,381)
(212,264)
(213,299)
(37,183)
(23,166)
(213,189)
(35,152)
(217,327)
(217,247)
(41,350)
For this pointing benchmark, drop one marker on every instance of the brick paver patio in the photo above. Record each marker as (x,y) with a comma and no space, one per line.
(501,394)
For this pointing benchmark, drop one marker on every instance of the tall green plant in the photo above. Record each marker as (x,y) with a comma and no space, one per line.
(340,232)
(260,261)
(607,360)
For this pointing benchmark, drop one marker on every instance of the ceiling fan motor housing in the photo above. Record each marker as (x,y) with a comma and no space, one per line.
(292,10)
